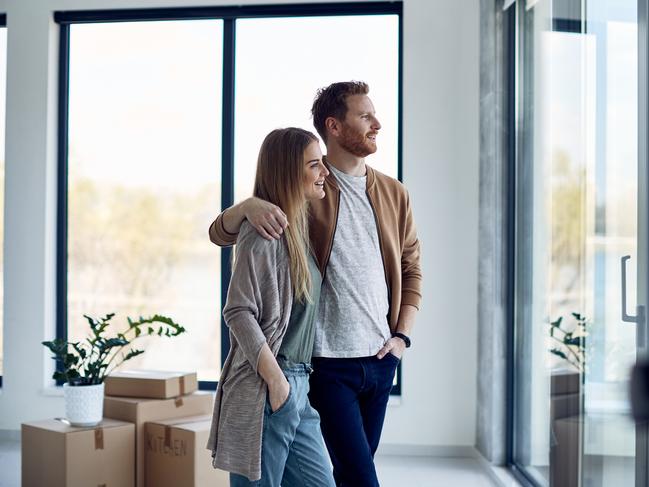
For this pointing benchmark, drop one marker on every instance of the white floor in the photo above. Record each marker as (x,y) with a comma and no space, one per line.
(393,471)
(397,471)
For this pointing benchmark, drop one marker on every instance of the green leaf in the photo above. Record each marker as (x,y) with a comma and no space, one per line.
(573,341)
(91,321)
(115,342)
(107,318)
(80,350)
(60,376)
(132,353)
(559,353)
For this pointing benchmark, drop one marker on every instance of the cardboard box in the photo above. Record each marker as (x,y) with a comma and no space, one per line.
(141,410)
(565,405)
(55,454)
(176,454)
(150,383)
(565,453)
(565,381)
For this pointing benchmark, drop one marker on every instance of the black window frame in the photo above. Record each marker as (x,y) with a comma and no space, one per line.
(229,15)
(3,25)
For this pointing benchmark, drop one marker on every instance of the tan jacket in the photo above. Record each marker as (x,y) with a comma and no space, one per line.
(397,236)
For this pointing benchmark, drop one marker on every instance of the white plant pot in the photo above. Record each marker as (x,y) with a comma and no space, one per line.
(84,405)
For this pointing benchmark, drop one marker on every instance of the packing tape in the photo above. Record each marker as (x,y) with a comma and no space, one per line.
(99,439)
(168,436)
(178,402)
(182,385)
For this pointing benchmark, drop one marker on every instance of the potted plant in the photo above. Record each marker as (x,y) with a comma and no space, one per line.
(82,366)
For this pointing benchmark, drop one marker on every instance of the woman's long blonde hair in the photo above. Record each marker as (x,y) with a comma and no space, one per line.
(280,180)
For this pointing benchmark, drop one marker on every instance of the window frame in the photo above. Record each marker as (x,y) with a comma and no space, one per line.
(229,15)
(3,25)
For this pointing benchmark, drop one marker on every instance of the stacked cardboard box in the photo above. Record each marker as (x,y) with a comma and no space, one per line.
(144,396)
(152,403)
(113,454)
(176,454)
(150,383)
(55,454)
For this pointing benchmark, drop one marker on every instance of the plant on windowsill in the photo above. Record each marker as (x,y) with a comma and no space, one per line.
(82,366)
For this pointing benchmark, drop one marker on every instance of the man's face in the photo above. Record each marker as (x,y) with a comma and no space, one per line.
(359,129)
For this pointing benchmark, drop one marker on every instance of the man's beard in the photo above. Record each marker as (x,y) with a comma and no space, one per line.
(356,143)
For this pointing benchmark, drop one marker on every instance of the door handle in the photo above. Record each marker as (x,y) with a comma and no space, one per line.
(639,317)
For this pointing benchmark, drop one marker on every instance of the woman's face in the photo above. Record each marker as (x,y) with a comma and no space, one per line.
(315,172)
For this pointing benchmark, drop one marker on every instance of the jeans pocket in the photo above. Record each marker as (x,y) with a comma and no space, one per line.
(393,357)
(284,404)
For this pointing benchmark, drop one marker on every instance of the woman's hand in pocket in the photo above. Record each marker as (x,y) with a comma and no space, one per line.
(278,393)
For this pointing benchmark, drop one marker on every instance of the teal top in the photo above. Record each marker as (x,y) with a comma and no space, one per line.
(297,345)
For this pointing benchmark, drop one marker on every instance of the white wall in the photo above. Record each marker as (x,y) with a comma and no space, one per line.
(440,168)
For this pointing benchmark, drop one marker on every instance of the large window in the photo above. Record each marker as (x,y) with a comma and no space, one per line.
(164,114)
(144,172)
(576,218)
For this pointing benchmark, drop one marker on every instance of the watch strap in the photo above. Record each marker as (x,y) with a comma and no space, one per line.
(405,338)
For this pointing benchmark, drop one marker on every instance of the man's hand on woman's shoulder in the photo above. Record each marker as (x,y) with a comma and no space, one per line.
(268,219)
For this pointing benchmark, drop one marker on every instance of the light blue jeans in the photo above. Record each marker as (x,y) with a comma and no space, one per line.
(293,453)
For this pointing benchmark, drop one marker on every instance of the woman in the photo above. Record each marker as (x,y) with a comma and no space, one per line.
(264,432)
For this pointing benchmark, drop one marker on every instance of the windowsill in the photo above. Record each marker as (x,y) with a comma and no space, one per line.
(503,476)
(52,391)
(57,391)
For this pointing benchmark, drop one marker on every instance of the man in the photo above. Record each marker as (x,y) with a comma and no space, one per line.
(364,239)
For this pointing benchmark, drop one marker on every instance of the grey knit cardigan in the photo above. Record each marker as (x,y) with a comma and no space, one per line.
(257,310)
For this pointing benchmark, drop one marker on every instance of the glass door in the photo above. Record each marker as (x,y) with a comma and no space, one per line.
(608,453)
(576,223)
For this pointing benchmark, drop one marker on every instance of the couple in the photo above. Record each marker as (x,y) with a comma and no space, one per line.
(324,291)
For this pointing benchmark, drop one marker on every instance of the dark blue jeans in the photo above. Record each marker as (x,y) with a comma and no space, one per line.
(351,395)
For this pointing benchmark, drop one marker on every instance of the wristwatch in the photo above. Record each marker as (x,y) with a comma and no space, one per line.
(405,338)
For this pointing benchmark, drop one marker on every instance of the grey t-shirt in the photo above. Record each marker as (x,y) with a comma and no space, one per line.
(352,316)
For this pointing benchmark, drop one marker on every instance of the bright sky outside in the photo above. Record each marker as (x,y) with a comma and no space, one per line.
(162,118)
(281,63)
(145,102)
